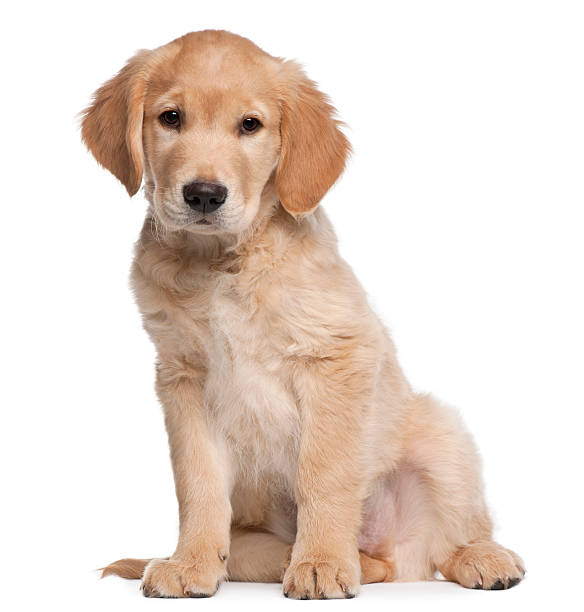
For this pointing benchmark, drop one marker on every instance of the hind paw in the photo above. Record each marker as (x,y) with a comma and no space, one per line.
(484,565)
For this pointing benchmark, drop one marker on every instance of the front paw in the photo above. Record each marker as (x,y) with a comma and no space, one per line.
(322,577)
(172,578)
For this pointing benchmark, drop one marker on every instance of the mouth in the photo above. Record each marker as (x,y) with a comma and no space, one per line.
(202,222)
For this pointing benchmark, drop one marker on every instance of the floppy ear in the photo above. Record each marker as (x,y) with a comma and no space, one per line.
(314,150)
(112,126)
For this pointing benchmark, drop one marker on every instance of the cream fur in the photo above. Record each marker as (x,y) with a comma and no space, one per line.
(289,419)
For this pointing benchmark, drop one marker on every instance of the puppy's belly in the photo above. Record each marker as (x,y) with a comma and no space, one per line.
(394,512)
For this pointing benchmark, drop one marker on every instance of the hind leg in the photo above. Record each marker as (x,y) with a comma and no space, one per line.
(258,556)
(454,532)
(462,548)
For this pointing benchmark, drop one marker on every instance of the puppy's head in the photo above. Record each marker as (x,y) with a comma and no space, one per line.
(216,127)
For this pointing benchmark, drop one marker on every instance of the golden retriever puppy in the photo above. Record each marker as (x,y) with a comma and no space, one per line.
(300,452)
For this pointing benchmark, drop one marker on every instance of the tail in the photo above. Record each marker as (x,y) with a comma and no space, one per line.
(132,569)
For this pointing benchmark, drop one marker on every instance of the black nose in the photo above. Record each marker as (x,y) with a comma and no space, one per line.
(203,196)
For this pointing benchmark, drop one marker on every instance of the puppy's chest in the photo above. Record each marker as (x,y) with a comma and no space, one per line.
(248,391)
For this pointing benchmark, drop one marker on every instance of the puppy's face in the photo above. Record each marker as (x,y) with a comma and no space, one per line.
(217,127)
(211,135)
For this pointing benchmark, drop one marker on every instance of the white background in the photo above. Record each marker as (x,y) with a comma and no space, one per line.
(461,211)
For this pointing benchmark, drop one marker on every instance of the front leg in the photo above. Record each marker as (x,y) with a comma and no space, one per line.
(334,398)
(199,563)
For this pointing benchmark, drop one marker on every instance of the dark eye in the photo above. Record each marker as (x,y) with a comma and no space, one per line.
(250,124)
(170,118)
